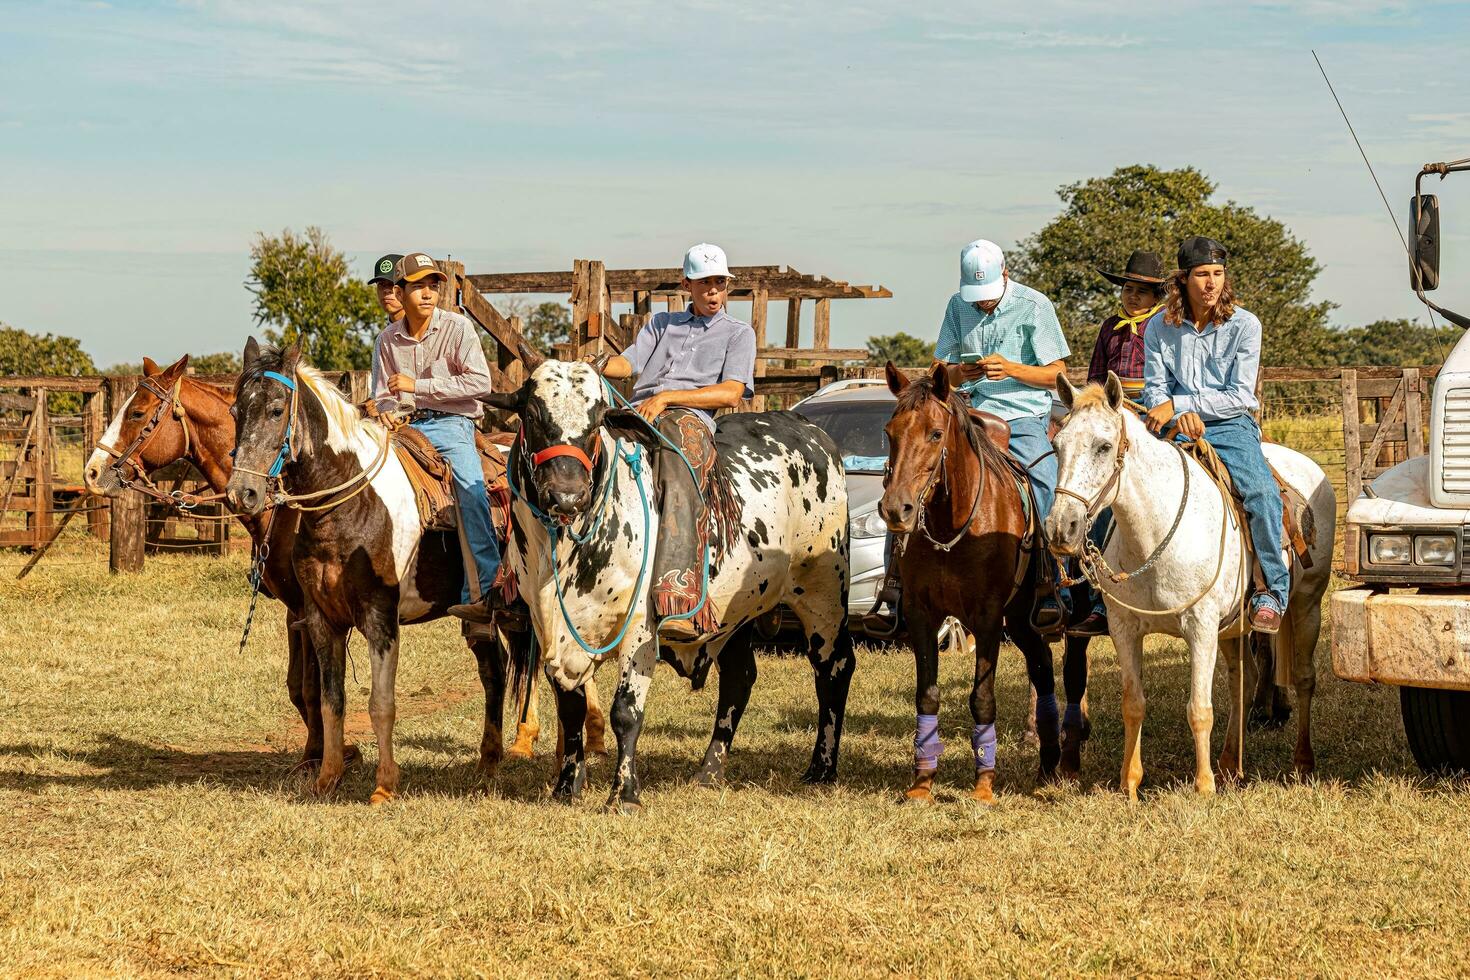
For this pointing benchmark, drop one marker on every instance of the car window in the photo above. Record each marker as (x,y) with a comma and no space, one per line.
(856,426)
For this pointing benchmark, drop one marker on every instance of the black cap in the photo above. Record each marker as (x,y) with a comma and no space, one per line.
(1201,251)
(386,269)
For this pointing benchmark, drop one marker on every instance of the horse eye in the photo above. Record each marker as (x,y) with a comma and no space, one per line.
(936,435)
(1103,447)
(277,412)
(135,416)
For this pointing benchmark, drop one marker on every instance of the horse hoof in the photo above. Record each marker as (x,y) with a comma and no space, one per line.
(521,750)
(623,808)
(709,779)
(350,754)
(381,796)
(308,763)
(819,776)
(922,789)
(984,791)
(326,785)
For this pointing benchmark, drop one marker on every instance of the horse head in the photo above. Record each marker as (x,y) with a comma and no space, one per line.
(925,424)
(148,431)
(1090,449)
(564,407)
(265,412)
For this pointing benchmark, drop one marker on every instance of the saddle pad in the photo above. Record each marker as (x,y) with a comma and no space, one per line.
(433,482)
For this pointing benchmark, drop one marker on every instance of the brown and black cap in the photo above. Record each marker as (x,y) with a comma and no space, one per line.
(417,266)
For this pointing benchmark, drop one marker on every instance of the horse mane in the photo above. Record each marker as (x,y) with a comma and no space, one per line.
(342,416)
(921,388)
(1092,395)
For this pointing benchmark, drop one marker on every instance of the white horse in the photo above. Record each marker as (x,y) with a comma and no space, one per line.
(1174,530)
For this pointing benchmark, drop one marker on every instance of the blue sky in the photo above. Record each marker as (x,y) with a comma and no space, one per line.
(143,144)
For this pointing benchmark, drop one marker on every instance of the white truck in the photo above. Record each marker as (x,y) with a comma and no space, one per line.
(1407,546)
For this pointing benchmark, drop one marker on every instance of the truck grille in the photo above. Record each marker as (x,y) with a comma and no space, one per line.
(1455,448)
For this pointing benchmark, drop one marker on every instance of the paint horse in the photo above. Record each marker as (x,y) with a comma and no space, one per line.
(583,538)
(360,555)
(173,416)
(1191,584)
(971,552)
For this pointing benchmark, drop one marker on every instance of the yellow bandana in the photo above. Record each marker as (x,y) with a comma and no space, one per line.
(1132,322)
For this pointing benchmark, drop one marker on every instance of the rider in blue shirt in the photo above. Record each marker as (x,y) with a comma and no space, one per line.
(1202,354)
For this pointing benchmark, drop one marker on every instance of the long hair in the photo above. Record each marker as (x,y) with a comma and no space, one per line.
(1177,309)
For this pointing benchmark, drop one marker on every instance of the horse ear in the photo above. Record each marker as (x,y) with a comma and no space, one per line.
(624,423)
(897,380)
(1113,388)
(939,373)
(509,401)
(290,359)
(177,367)
(1065,391)
(252,353)
(150,368)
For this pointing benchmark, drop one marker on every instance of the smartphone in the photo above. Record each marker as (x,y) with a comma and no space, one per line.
(967,358)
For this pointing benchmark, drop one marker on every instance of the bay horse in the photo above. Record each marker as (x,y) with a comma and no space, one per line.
(954,495)
(584,531)
(174,416)
(1187,584)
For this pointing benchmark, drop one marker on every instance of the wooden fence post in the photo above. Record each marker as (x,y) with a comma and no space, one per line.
(759,299)
(822,325)
(1351,444)
(1413,412)
(128,516)
(95,423)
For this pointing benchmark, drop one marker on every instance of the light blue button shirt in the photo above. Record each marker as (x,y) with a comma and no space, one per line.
(1210,372)
(1023,328)
(680,351)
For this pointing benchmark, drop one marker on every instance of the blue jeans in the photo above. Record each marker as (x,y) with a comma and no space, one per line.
(1029,443)
(454,437)
(1238,443)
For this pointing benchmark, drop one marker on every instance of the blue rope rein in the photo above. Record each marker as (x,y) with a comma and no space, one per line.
(554,528)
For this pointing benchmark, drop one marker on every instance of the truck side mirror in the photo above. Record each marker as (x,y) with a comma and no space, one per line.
(1424,224)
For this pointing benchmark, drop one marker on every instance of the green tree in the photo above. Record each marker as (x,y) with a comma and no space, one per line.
(31,353)
(225,362)
(1104,219)
(904,350)
(303,292)
(1396,342)
(547,325)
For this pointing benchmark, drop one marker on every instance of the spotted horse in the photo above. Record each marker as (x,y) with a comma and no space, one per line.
(583,536)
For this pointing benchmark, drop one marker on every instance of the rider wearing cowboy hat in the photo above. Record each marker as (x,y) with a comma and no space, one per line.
(1202,354)
(1119,349)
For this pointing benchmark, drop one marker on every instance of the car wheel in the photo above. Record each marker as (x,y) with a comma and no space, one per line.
(1437,724)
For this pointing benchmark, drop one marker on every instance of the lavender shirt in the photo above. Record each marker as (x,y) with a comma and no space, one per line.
(447,364)
(682,351)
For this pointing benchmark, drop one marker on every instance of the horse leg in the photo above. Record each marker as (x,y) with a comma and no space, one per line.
(330,647)
(571,759)
(1075,725)
(1203,648)
(1228,764)
(381,633)
(596,720)
(1306,626)
(982,710)
(299,653)
(927,745)
(737,677)
(1041,670)
(1128,641)
(628,704)
(491,662)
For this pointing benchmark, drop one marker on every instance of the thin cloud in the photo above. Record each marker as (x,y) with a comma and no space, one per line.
(1041,39)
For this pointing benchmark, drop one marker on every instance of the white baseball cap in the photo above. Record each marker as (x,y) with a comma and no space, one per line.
(705,260)
(981,266)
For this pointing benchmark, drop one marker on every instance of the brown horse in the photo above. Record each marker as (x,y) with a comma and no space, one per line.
(956,497)
(173,416)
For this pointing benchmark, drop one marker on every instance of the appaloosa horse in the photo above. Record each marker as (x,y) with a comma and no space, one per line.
(582,540)
(360,554)
(173,416)
(970,553)
(1182,548)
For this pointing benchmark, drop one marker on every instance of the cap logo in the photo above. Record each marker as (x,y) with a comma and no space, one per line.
(385,266)
(423,260)
(979,275)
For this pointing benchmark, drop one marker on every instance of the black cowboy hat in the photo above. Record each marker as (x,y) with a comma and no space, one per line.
(1144,267)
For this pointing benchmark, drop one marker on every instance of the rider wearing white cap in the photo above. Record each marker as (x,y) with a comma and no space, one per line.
(688,364)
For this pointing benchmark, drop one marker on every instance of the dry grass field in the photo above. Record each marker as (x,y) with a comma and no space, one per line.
(148,825)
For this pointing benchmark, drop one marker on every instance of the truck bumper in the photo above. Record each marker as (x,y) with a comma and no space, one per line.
(1413,640)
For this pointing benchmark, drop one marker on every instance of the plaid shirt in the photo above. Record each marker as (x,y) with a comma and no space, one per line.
(1120,351)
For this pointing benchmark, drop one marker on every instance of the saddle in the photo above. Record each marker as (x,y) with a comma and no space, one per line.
(433,483)
(996,429)
(1298,527)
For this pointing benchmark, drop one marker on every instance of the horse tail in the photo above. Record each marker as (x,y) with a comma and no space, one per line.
(522,652)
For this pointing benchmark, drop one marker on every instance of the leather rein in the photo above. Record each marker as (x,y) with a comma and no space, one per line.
(169,403)
(940,479)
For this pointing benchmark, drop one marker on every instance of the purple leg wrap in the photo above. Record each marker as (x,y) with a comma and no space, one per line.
(1073,717)
(982,740)
(926,742)
(1046,713)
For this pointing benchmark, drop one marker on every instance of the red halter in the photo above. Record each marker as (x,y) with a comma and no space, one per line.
(566,449)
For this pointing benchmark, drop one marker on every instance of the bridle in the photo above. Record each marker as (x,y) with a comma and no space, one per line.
(938,480)
(288,451)
(1095,505)
(554,451)
(169,403)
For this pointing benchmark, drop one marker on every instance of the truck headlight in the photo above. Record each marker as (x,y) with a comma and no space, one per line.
(1434,549)
(1389,549)
(869,525)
